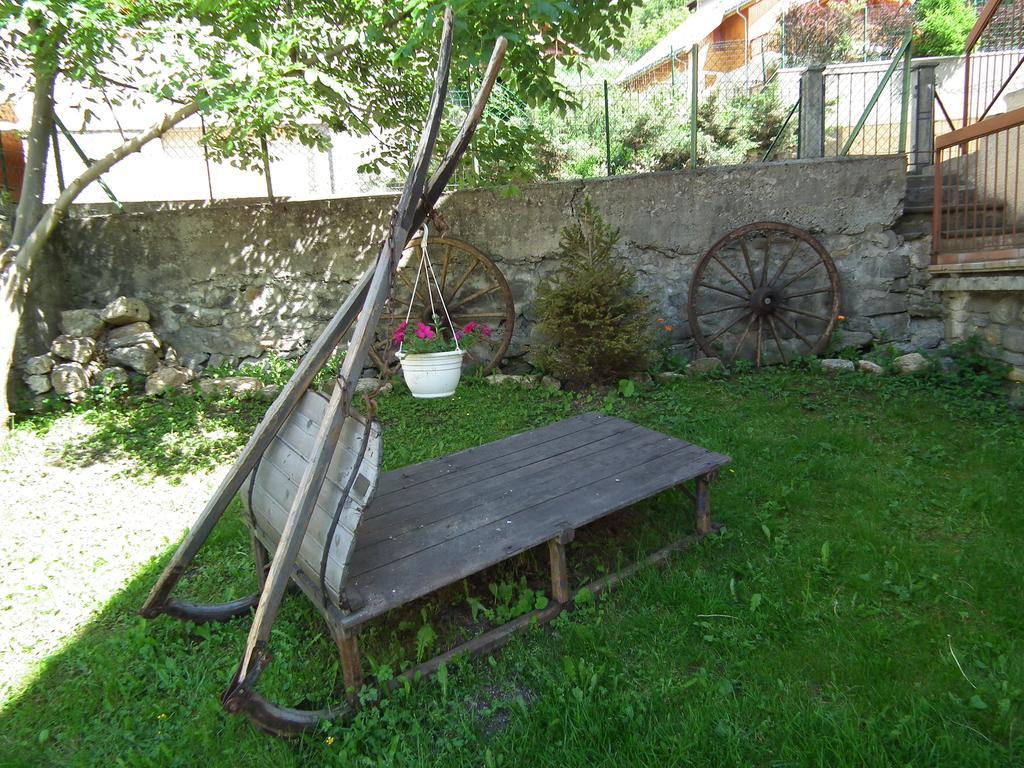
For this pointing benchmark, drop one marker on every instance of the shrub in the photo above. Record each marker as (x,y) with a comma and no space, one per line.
(944,26)
(595,325)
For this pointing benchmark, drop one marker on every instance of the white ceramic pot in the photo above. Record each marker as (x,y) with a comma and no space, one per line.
(434,374)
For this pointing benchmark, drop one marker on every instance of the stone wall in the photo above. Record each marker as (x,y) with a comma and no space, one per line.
(238,279)
(989,306)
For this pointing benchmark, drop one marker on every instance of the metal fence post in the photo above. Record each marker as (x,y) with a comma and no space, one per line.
(812,113)
(923,147)
(694,82)
(607,132)
(672,58)
(905,100)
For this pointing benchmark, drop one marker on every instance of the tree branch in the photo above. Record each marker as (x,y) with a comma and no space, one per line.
(23,255)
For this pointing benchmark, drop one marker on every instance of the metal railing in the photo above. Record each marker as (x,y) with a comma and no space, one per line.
(978,213)
(993,56)
(978,209)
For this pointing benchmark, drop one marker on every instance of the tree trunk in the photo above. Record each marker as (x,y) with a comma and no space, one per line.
(13,281)
(16,261)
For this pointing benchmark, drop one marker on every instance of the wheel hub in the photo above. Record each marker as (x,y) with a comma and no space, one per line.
(764,300)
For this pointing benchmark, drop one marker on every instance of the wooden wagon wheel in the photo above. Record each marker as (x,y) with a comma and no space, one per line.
(474,290)
(765,293)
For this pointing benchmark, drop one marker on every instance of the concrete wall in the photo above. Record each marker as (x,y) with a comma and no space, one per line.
(239,279)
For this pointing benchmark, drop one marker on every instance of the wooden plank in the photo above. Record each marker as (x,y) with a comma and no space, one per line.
(428,471)
(413,511)
(470,508)
(386,504)
(412,577)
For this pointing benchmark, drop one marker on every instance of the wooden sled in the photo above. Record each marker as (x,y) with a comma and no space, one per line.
(359,543)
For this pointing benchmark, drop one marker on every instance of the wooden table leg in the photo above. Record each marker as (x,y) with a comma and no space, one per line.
(559,568)
(702,505)
(351,667)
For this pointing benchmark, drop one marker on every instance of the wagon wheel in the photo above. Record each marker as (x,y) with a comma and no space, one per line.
(474,290)
(765,293)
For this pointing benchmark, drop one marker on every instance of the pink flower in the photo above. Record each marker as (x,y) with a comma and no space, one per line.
(424,332)
(485,330)
(470,326)
(399,334)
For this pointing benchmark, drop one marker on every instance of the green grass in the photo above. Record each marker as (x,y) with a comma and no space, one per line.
(863,607)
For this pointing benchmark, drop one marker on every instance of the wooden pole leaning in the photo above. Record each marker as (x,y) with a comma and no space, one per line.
(364,307)
(255,657)
(159,600)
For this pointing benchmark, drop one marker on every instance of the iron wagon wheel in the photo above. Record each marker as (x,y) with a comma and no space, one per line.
(764,293)
(474,290)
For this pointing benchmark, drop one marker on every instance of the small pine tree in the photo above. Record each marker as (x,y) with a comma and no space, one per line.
(596,327)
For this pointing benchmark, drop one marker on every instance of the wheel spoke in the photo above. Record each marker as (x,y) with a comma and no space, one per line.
(726,329)
(760,329)
(477,315)
(722,309)
(767,256)
(735,277)
(462,281)
(827,289)
(796,333)
(725,290)
(444,267)
(785,262)
(746,259)
(739,344)
(405,280)
(778,342)
(802,272)
(796,311)
(473,297)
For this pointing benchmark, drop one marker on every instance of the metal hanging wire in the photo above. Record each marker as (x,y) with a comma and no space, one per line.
(425,266)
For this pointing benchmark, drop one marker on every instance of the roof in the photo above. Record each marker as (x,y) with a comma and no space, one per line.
(695,28)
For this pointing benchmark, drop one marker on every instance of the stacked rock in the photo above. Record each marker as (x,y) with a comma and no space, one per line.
(101,347)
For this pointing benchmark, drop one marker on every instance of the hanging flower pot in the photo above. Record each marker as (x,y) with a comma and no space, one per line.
(431,360)
(432,364)
(432,374)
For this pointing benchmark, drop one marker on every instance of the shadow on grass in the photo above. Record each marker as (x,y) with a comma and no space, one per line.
(167,436)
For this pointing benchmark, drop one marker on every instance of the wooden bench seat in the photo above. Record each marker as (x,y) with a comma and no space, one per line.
(435,523)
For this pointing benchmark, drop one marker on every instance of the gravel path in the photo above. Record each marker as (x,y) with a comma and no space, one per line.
(73,536)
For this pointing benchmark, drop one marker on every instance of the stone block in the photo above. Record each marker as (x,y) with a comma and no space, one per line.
(38,384)
(68,378)
(125,310)
(1016,375)
(168,377)
(79,349)
(1013,339)
(81,322)
(869,367)
(132,335)
(112,377)
(38,365)
(141,359)
(834,364)
(914,362)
